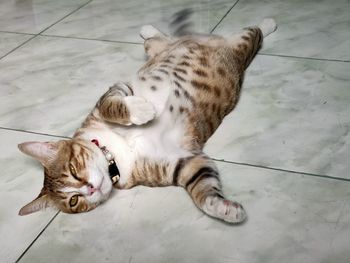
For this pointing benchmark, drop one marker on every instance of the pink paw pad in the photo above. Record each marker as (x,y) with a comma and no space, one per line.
(228,202)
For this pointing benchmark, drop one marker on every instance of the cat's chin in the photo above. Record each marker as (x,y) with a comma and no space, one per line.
(97,198)
(106,188)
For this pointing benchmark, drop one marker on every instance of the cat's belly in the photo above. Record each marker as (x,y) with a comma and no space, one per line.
(161,139)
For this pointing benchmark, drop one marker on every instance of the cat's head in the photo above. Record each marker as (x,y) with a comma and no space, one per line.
(76,175)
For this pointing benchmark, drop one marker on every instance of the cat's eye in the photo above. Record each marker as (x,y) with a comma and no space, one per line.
(73,200)
(72,170)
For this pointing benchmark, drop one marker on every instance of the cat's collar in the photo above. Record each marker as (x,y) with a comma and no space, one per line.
(113,170)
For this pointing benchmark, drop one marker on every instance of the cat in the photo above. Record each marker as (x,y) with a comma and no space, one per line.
(151,131)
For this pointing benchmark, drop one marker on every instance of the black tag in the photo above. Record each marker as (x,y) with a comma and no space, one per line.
(113,169)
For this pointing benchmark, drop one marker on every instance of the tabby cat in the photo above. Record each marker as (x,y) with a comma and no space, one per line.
(151,131)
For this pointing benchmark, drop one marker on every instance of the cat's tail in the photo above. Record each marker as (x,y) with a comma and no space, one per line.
(182,23)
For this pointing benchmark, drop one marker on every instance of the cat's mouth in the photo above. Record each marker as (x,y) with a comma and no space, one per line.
(97,197)
(92,189)
(104,188)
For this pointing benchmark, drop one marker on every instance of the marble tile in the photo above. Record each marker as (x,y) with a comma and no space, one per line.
(121,20)
(51,84)
(20,182)
(9,41)
(32,16)
(294,217)
(293,114)
(307,28)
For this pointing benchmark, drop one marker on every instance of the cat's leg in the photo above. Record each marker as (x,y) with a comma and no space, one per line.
(247,43)
(200,177)
(244,47)
(155,40)
(197,174)
(118,105)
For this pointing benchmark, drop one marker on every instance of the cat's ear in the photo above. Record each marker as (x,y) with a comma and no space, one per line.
(44,152)
(41,202)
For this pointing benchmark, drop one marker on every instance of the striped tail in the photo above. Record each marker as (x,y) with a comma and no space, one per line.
(182,23)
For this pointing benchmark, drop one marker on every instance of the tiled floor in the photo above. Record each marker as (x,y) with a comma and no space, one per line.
(284,152)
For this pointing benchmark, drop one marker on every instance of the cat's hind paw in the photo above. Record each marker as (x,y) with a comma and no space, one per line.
(141,111)
(229,211)
(149,31)
(267,26)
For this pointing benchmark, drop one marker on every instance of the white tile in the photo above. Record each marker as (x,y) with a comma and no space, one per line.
(292,114)
(292,217)
(33,16)
(50,84)
(121,20)
(20,181)
(307,28)
(9,41)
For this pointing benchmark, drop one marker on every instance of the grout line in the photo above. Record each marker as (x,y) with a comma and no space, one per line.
(215,159)
(42,231)
(25,42)
(299,57)
(73,37)
(18,33)
(75,10)
(93,39)
(284,170)
(211,31)
(137,43)
(35,35)
(32,132)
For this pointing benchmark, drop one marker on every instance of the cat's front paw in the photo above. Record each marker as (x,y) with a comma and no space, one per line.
(229,211)
(141,111)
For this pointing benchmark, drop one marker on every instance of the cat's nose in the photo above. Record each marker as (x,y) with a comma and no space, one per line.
(91,189)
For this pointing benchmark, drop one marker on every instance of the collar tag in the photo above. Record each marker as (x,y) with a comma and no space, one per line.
(113,172)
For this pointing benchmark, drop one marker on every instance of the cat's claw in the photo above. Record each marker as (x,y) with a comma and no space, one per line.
(141,111)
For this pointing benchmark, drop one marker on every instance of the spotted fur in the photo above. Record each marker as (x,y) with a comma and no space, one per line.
(156,126)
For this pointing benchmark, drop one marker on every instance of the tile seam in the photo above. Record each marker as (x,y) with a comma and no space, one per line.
(38,34)
(17,33)
(92,39)
(284,170)
(139,43)
(215,159)
(36,238)
(33,132)
(228,11)
(19,46)
(67,15)
(301,57)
